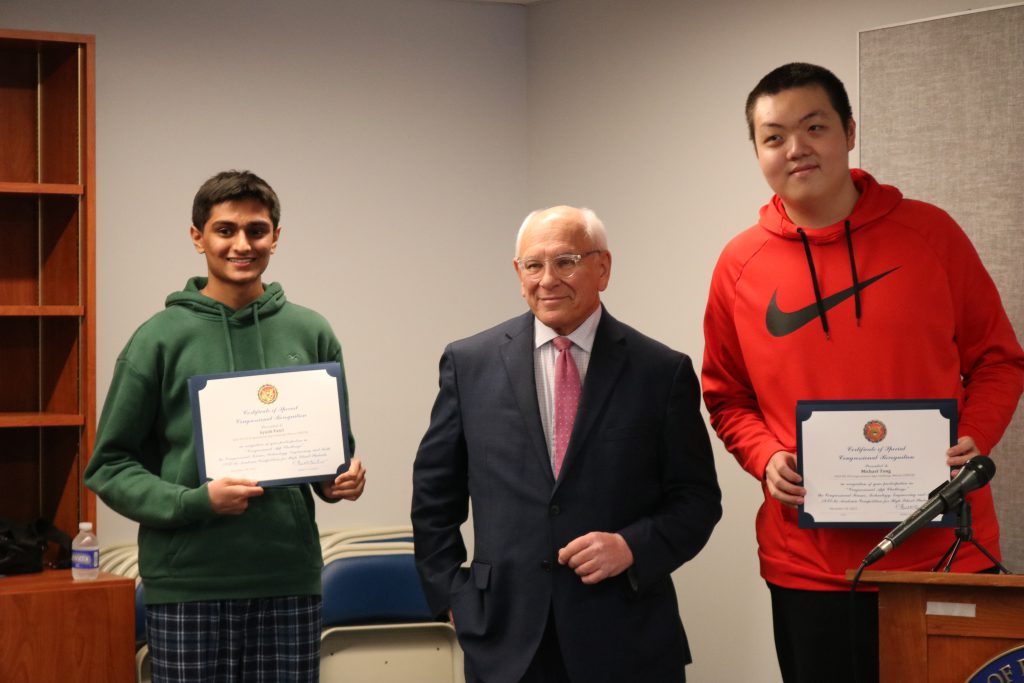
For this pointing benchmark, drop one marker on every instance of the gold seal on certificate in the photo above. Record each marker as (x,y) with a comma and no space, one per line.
(280,426)
(871,463)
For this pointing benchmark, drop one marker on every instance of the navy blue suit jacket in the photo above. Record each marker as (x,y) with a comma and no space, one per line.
(639,463)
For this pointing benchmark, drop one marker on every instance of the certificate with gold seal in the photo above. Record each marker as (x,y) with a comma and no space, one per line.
(281,426)
(871,463)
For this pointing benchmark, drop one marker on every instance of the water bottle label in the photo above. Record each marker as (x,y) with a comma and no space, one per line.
(85,559)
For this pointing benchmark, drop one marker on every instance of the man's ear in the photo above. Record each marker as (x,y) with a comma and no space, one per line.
(606,266)
(851,135)
(197,239)
(522,285)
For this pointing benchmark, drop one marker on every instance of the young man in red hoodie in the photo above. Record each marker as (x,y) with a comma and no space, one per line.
(844,289)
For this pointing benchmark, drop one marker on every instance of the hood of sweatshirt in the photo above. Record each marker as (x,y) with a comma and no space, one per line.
(200,305)
(875,202)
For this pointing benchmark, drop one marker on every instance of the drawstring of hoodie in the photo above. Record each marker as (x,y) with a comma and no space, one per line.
(853,272)
(227,337)
(259,335)
(819,303)
(814,281)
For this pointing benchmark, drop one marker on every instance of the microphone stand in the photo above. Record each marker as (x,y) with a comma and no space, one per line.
(964,532)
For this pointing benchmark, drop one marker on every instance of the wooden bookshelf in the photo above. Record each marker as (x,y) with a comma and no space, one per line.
(47,276)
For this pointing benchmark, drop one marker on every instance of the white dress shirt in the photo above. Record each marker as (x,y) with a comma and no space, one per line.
(544,355)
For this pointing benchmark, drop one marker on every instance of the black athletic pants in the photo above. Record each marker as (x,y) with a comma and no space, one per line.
(824,636)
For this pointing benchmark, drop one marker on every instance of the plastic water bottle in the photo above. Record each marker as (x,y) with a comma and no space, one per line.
(85,554)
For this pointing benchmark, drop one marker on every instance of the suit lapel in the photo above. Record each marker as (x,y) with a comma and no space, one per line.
(607,359)
(517,354)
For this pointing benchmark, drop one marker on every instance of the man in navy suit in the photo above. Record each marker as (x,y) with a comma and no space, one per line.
(590,474)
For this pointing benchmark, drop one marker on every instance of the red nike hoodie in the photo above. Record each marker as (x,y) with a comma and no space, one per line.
(913,315)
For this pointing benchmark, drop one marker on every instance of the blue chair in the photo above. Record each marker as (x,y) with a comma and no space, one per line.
(378,626)
(373,589)
(140,614)
(143,669)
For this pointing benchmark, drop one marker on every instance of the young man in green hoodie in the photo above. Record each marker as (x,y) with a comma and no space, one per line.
(231,569)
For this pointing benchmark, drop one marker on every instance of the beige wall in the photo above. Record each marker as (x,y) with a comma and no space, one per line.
(407,138)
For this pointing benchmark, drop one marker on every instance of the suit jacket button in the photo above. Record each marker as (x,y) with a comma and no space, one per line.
(554,510)
(545,565)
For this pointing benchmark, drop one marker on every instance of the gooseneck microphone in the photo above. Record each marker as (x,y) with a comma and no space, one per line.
(975,473)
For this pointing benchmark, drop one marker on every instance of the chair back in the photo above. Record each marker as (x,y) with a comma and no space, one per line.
(373,589)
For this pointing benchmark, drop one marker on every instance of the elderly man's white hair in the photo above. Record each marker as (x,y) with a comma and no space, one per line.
(593,226)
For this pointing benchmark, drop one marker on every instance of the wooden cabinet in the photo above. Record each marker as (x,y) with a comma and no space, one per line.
(47,276)
(55,629)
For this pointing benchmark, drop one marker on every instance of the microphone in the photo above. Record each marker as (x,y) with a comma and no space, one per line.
(975,473)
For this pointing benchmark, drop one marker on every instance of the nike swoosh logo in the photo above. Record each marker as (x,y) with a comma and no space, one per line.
(781,323)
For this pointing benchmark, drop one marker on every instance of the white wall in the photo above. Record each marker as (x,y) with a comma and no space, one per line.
(407,138)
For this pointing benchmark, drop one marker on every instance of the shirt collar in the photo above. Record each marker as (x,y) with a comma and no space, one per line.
(582,336)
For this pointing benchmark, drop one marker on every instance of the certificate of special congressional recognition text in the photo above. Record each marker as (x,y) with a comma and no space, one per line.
(280,426)
(871,463)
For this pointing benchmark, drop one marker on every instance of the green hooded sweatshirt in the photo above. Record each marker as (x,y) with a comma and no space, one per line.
(144,463)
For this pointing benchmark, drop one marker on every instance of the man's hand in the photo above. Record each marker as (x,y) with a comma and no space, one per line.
(230,496)
(783,480)
(957,455)
(348,485)
(597,556)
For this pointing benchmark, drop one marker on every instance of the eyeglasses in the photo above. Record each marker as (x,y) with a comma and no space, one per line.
(564,265)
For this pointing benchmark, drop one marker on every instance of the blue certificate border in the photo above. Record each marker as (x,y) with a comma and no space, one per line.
(804,409)
(198,383)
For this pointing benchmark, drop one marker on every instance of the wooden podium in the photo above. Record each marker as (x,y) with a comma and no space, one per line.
(53,629)
(941,628)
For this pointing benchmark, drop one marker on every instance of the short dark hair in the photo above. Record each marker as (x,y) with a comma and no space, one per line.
(229,185)
(801,75)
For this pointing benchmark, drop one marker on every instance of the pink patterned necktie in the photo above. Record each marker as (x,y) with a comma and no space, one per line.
(567,398)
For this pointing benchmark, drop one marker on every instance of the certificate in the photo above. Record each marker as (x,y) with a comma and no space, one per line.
(871,463)
(278,427)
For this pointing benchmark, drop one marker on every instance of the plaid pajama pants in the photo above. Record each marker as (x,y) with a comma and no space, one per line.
(263,640)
